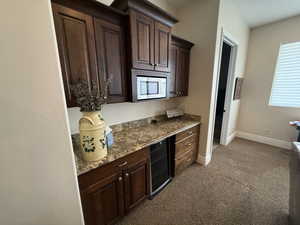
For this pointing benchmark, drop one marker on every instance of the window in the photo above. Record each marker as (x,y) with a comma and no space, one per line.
(286,84)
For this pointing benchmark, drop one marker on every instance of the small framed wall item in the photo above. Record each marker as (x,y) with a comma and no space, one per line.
(238,88)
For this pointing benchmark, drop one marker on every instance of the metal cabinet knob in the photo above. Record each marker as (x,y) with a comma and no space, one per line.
(127,174)
(120,178)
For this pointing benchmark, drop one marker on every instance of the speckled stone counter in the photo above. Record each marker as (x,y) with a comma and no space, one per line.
(134,136)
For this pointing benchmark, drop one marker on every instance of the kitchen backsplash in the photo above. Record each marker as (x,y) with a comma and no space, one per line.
(125,112)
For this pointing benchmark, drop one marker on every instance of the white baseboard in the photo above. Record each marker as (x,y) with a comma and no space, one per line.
(204,160)
(230,138)
(264,140)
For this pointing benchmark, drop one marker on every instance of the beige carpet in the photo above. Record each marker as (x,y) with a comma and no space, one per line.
(246,184)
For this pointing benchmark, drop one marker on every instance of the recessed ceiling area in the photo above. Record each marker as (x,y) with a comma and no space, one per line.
(257,12)
(260,12)
(179,3)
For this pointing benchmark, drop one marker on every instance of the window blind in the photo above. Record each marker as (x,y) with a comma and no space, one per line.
(286,84)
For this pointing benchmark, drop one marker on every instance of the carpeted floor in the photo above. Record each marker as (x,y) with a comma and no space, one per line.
(246,184)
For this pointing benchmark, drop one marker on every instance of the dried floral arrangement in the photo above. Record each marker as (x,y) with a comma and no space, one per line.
(90,99)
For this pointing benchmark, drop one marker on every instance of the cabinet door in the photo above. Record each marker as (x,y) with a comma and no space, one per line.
(183,64)
(76,43)
(111,59)
(162,47)
(173,74)
(136,184)
(103,202)
(142,41)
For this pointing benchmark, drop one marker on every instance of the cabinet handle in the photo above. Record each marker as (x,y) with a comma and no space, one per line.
(127,174)
(120,179)
(152,64)
(190,132)
(105,97)
(123,164)
(189,144)
(155,64)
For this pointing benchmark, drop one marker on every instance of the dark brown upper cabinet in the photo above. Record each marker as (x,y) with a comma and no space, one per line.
(150,41)
(91,42)
(150,34)
(76,44)
(142,41)
(111,59)
(180,67)
(162,47)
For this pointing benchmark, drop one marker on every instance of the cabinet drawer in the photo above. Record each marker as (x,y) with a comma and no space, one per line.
(186,145)
(186,160)
(187,133)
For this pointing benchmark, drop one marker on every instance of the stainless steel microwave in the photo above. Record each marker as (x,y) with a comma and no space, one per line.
(151,87)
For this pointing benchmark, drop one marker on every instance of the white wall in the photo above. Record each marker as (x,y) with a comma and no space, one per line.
(120,113)
(199,23)
(202,22)
(256,116)
(234,26)
(38,181)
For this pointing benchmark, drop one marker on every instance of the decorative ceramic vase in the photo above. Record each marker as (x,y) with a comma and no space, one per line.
(92,136)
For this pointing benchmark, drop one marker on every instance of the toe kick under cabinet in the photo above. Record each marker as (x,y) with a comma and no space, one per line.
(111,191)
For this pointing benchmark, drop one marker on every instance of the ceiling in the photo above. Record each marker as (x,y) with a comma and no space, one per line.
(179,3)
(260,12)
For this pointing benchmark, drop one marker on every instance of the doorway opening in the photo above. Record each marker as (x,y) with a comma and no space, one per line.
(222,89)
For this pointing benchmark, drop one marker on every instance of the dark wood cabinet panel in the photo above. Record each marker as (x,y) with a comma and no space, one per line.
(183,64)
(103,201)
(136,184)
(110,45)
(186,148)
(162,47)
(180,67)
(151,41)
(76,42)
(173,75)
(142,40)
(110,191)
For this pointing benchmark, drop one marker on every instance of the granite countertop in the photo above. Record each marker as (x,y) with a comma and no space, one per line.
(132,139)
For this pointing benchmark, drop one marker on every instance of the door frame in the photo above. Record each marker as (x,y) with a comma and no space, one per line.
(228,39)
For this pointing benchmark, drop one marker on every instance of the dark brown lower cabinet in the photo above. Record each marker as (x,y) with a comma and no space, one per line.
(111,191)
(103,202)
(136,184)
(186,148)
